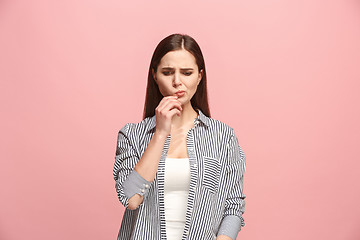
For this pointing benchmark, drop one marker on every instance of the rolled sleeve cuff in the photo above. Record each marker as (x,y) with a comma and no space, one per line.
(230,226)
(135,184)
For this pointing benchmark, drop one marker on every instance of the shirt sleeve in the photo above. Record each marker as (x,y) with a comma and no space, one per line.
(135,184)
(230,226)
(233,219)
(127,181)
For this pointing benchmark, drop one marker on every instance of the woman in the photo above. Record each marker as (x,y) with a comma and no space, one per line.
(178,172)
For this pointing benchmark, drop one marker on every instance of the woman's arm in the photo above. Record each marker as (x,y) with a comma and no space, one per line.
(148,165)
(133,176)
(235,201)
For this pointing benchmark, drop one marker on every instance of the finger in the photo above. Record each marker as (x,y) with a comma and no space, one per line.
(174,111)
(164,102)
(165,99)
(170,104)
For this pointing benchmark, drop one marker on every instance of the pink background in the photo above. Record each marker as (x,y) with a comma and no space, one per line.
(284,74)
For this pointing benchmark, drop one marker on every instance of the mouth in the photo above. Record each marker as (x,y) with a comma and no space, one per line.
(180,93)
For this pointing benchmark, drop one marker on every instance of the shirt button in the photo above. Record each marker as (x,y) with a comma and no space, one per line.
(142,190)
(195,165)
(147,185)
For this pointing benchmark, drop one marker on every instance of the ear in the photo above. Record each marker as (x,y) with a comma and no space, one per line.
(201,73)
(153,73)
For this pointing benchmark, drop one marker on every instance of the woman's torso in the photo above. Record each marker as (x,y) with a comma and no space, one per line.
(177,181)
(207,146)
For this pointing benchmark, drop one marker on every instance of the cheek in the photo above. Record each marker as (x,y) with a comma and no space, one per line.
(193,84)
(164,87)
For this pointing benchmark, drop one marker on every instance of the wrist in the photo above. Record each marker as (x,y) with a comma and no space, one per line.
(160,136)
(223,237)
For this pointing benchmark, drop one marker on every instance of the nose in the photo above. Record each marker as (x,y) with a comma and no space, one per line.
(176,80)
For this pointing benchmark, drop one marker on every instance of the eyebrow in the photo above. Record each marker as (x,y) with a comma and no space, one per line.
(170,68)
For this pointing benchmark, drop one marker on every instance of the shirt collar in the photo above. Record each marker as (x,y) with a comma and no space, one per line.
(201,117)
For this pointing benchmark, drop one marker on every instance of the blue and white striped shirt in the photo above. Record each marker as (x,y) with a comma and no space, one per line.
(216,200)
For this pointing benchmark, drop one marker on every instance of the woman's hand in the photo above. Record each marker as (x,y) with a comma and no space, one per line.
(167,108)
(223,237)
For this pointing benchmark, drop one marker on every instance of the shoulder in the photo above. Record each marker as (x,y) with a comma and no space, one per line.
(132,134)
(219,127)
(132,129)
(224,134)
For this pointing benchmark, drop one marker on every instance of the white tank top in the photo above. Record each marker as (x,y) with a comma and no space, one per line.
(176,189)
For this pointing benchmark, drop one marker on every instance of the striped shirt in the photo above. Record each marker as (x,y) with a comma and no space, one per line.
(216,201)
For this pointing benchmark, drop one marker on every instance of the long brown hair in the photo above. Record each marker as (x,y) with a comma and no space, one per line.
(171,43)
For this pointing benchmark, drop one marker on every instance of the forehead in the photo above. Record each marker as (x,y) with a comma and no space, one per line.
(181,58)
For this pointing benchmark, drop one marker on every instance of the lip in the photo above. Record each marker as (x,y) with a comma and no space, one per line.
(180,93)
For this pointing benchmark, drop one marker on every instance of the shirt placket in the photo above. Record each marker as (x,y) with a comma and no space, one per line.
(193,179)
(161,180)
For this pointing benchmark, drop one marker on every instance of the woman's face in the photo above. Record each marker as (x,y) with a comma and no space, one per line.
(178,71)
